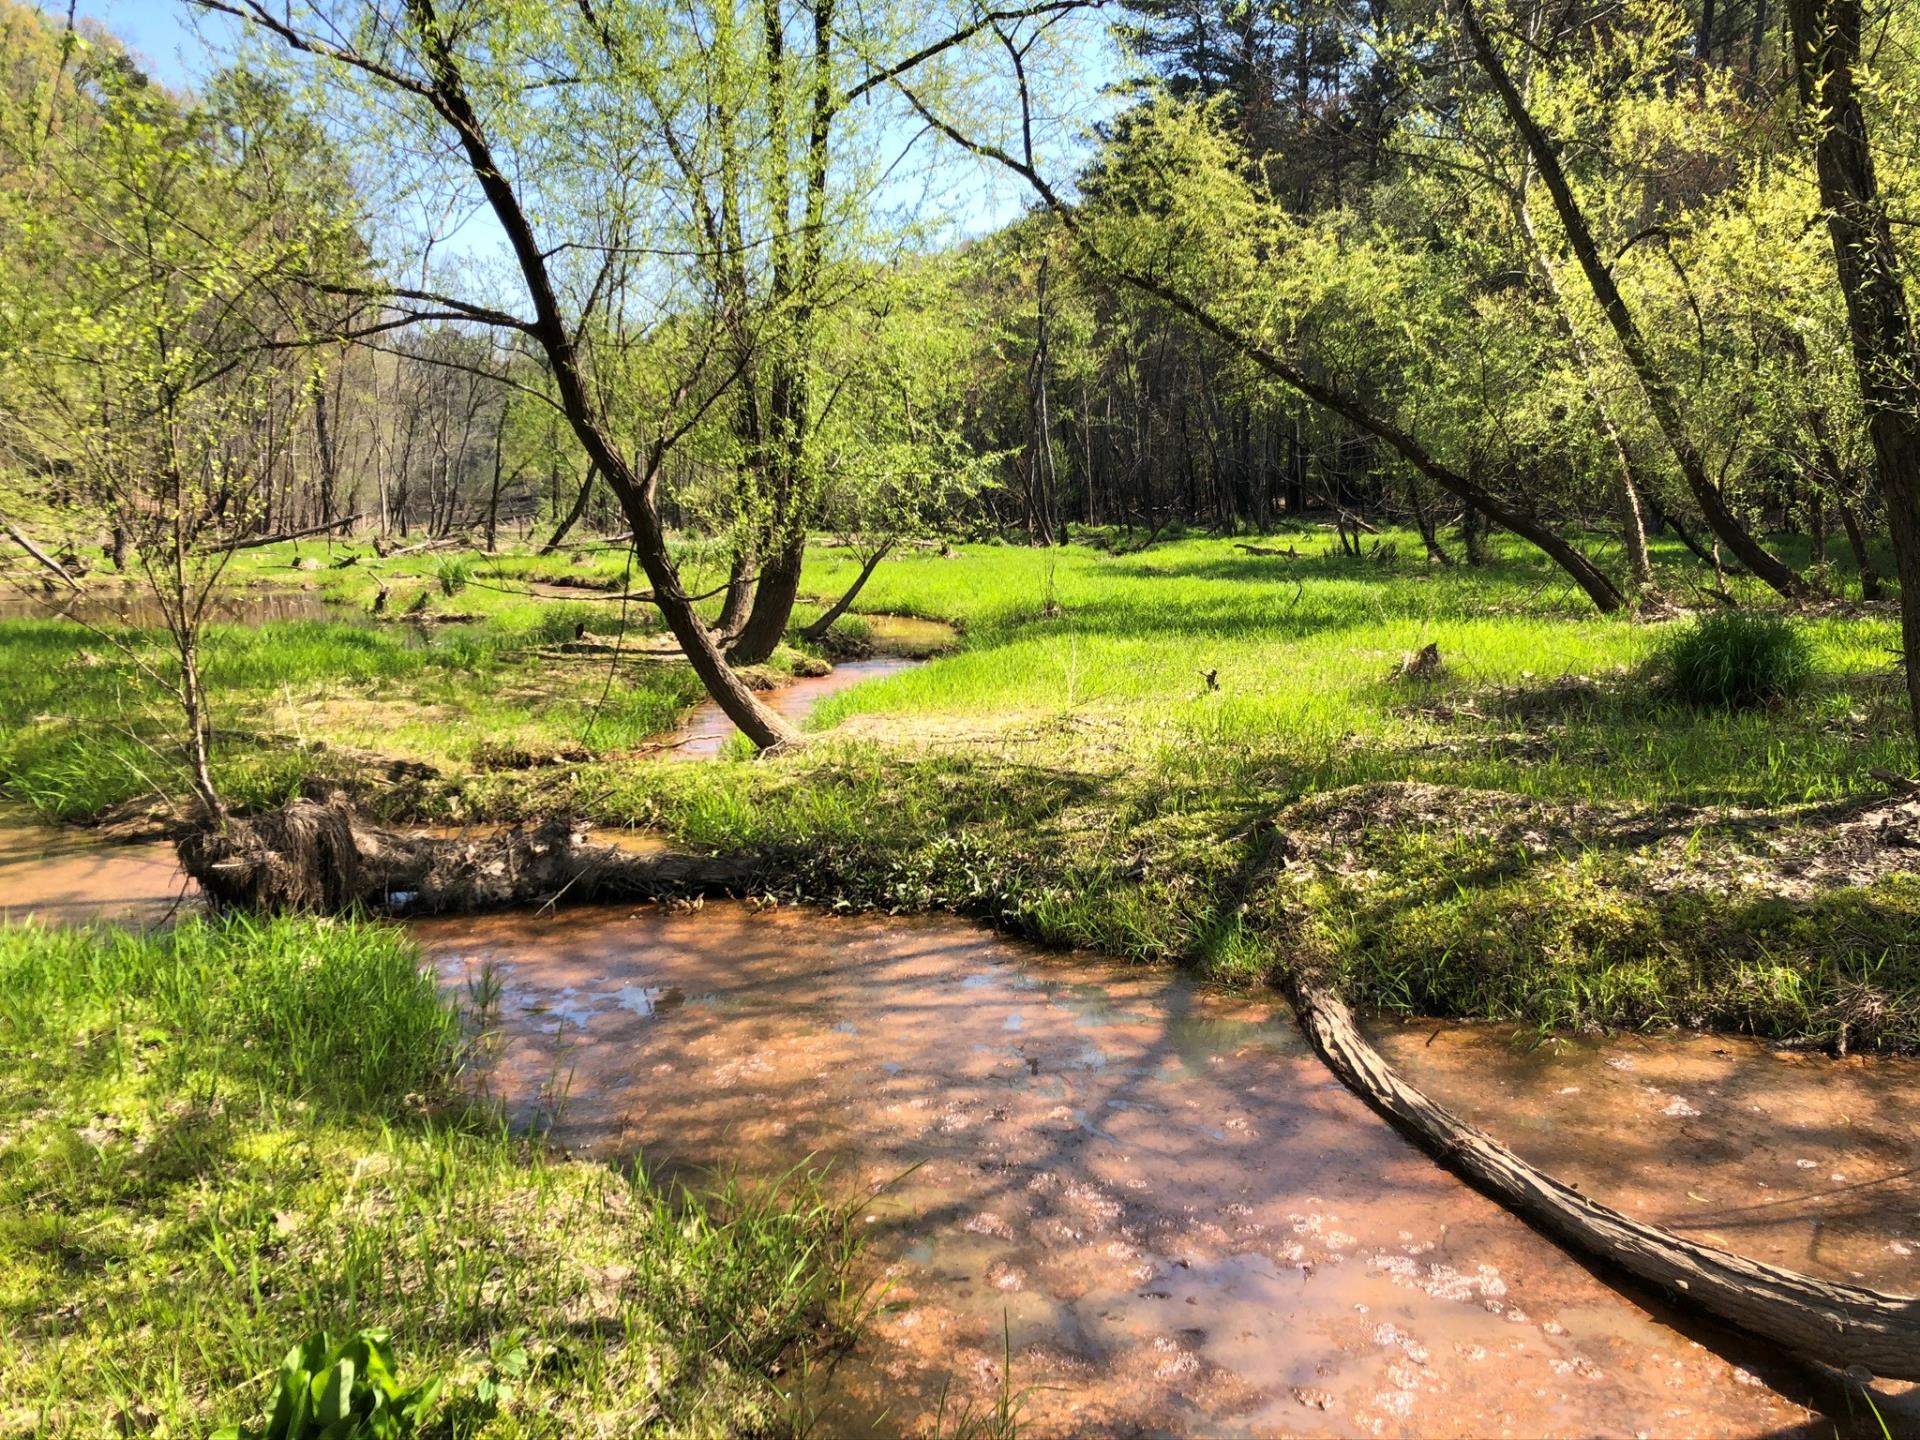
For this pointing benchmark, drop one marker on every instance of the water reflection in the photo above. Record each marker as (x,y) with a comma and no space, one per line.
(1154,1194)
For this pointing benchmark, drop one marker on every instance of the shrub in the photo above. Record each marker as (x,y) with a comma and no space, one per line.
(1733,660)
(453,573)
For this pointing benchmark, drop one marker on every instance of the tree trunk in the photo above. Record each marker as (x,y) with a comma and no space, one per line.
(493,494)
(1842,1325)
(741,584)
(636,487)
(773,599)
(1826,42)
(1473,537)
(572,518)
(1626,495)
(1857,543)
(323,437)
(1660,396)
(193,702)
(818,629)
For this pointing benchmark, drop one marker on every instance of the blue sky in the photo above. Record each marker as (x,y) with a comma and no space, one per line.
(161,31)
(167,35)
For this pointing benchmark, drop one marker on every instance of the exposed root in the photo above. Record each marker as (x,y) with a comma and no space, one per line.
(324,857)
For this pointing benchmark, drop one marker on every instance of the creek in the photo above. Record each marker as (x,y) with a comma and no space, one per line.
(1149,1195)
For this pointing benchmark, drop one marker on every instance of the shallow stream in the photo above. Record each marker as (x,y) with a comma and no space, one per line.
(706,729)
(1148,1195)
(1153,1196)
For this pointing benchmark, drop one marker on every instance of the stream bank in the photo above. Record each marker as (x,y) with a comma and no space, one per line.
(1150,1193)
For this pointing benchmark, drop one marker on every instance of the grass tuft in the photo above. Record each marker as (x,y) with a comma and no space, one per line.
(217,1141)
(1732,659)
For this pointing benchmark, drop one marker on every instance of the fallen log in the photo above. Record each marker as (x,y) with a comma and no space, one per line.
(257,541)
(1840,1325)
(324,857)
(440,542)
(41,557)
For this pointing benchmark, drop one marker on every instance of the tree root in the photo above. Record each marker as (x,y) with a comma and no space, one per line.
(1841,1325)
(323,857)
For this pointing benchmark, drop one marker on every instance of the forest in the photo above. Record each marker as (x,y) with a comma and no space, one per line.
(997,717)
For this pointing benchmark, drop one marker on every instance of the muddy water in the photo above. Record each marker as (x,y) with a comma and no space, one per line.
(1153,1196)
(61,877)
(1796,1159)
(707,728)
(106,607)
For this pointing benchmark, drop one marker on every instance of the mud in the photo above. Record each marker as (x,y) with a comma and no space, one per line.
(1152,1197)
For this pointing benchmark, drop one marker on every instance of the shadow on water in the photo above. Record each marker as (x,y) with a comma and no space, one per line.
(1176,1218)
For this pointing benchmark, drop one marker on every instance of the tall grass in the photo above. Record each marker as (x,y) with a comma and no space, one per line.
(340,1015)
(1734,660)
(219,1140)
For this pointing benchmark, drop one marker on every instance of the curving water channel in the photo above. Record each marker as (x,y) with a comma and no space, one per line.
(707,728)
(1148,1196)
(1151,1195)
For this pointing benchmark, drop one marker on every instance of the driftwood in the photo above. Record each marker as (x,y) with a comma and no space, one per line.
(257,541)
(1841,1325)
(439,542)
(46,561)
(324,857)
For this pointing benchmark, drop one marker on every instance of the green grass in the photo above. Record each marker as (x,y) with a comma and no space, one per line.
(1734,660)
(1071,772)
(1087,787)
(216,1141)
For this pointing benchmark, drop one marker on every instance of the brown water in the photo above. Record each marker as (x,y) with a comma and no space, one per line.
(1792,1158)
(121,607)
(64,877)
(1153,1195)
(707,728)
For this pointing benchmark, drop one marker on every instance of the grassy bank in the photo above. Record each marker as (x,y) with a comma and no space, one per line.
(1540,832)
(216,1141)
(1536,831)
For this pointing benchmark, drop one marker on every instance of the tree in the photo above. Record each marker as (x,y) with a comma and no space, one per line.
(457,79)
(149,361)
(1886,351)
(1176,217)
(1658,390)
